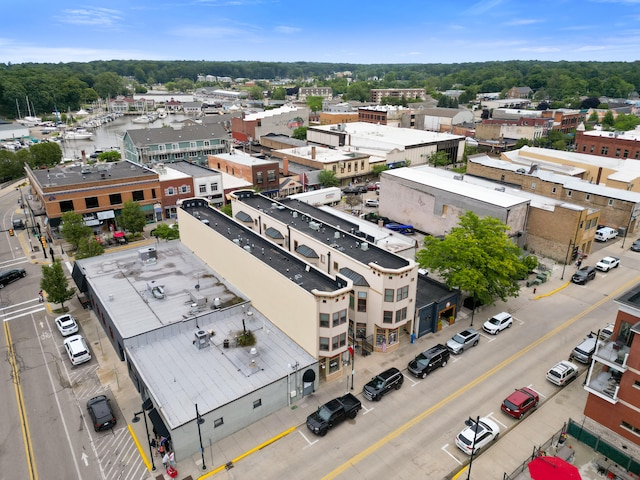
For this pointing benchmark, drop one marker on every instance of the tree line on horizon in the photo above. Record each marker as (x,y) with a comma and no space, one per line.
(69,86)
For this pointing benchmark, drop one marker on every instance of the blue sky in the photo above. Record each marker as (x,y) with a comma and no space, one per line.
(373,31)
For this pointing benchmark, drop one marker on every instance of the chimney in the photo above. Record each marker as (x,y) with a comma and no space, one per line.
(313,153)
(285,167)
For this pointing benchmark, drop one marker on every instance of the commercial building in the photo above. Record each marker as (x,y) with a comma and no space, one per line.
(324,92)
(195,346)
(263,174)
(613,379)
(377,94)
(283,121)
(397,145)
(192,143)
(97,192)
(602,143)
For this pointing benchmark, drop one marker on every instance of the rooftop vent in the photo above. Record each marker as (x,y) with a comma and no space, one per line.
(500,189)
(314,226)
(364,246)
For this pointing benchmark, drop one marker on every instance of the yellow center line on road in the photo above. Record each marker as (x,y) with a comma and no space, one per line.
(24,422)
(419,418)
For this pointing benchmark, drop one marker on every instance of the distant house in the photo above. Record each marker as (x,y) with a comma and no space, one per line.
(519,92)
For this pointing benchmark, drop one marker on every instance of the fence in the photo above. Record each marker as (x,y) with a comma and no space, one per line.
(549,447)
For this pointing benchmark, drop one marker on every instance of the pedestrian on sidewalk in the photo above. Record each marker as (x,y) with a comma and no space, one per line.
(165,460)
(172,459)
(40,296)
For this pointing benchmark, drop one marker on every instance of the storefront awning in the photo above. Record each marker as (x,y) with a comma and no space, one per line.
(106,214)
(158,424)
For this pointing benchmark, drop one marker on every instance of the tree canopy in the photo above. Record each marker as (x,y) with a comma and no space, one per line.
(55,283)
(478,257)
(328,179)
(132,218)
(73,229)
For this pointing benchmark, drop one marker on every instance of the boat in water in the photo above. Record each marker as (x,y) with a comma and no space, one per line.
(78,134)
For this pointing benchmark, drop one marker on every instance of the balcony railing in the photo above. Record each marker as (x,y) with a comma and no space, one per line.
(604,385)
(613,354)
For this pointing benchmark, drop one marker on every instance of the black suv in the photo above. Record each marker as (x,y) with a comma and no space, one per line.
(101,414)
(583,275)
(10,276)
(382,384)
(429,360)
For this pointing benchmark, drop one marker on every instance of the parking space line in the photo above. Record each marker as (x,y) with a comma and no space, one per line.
(496,420)
(517,320)
(308,441)
(444,449)
(413,382)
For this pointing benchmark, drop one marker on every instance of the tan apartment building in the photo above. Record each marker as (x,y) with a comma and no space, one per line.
(306,303)
(377,94)
(383,297)
(334,118)
(97,192)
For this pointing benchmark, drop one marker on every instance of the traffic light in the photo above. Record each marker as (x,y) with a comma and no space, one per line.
(43,241)
(11,232)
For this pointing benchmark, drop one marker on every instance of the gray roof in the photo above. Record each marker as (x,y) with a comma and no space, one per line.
(188,133)
(355,277)
(341,239)
(306,251)
(280,260)
(81,176)
(244,217)
(443,112)
(192,169)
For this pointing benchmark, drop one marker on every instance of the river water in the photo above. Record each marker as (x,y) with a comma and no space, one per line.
(109,135)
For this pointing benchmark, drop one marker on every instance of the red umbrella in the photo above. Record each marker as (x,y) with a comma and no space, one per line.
(552,468)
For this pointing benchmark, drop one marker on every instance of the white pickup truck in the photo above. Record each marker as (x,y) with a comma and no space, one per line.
(607,263)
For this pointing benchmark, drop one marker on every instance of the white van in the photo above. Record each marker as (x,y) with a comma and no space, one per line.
(606,233)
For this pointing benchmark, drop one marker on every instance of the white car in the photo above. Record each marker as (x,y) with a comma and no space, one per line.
(371,202)
(497,323)
(484,432)
(67,325)
(77,349)
(607,263)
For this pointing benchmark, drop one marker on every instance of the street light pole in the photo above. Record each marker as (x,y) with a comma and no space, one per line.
(136,419)
(199,421)
(473,445)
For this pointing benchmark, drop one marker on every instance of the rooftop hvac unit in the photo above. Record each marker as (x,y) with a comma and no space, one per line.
(458,177)
(336,235)
(314,226)
(364,246)
(295,214)
(197,299)
(202,339)
(500,189)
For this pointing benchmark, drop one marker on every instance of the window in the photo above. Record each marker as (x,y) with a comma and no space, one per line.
(610,202)
(533,185)
(271,175)
(625,154)
(324,344)
(403,292)
(202,188)
(214,187)
(387,317)
(617,152)
(362,301)
(636,384)
(115,199)
(66,206)
(91,202)
(604,151)
(388,294)
(569,192)
(170,191)
(582,224)
(401,315)
(137,195)
(184,189)
(630,427)
(592,149)
(339,317)
(153,193)
(324,320)
(218,422)
(553,190)
(444,211)
(257,403)
(259,177)
(338,341)
(587,197)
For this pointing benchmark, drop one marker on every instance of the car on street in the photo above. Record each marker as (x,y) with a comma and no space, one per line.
(354,189)
(607,331)
(429,360)
(635,246)
(605,233)
(520,402)
(461,341)
(483,431)
(383,383)
(371,202)
(562,373)
(101,413)
(497,323)
(77,349)
(607,263)
(582,276)
(10,276)
(18,224)
(373,186)
(66,324)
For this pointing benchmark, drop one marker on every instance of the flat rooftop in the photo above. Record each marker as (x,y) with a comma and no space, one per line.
(363,133)
(124,282)
(241,158)
(339,236)
(192,169)
(79,175)
(288,265)
(323,154)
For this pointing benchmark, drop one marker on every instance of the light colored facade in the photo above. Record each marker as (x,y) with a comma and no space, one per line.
(396,144)
(384,284)
(433,200)
(308,305)
(263,174)
(444,119)
(377,94)
(324,92)
(283,120)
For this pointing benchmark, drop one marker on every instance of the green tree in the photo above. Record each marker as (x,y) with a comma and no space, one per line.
(256,93)
(353,200)
(626,122)
(608,119)
(132,217)
(11,166)
(166,232)
(521,142)
(378,169)
(89,247)
(279,93)
(46,154)
(314,103)
(300,133)
(593,118)
(110,156)
(55,283)
(478,257)
(328,179)
(439,159)
(73,229)
(109,84)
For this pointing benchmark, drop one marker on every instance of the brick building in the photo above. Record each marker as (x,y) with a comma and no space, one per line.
(377,94)
(263,174)
(613,380)
(97,192)
(382,114)
(609,144)
(565,120)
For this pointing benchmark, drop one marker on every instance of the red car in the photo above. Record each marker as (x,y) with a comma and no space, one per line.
(520,402)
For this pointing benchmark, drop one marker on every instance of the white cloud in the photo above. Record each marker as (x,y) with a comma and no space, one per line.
(522,21)
(287,30)
(96,17)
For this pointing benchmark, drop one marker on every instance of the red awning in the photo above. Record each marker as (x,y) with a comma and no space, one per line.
(552,468)
(118,234)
